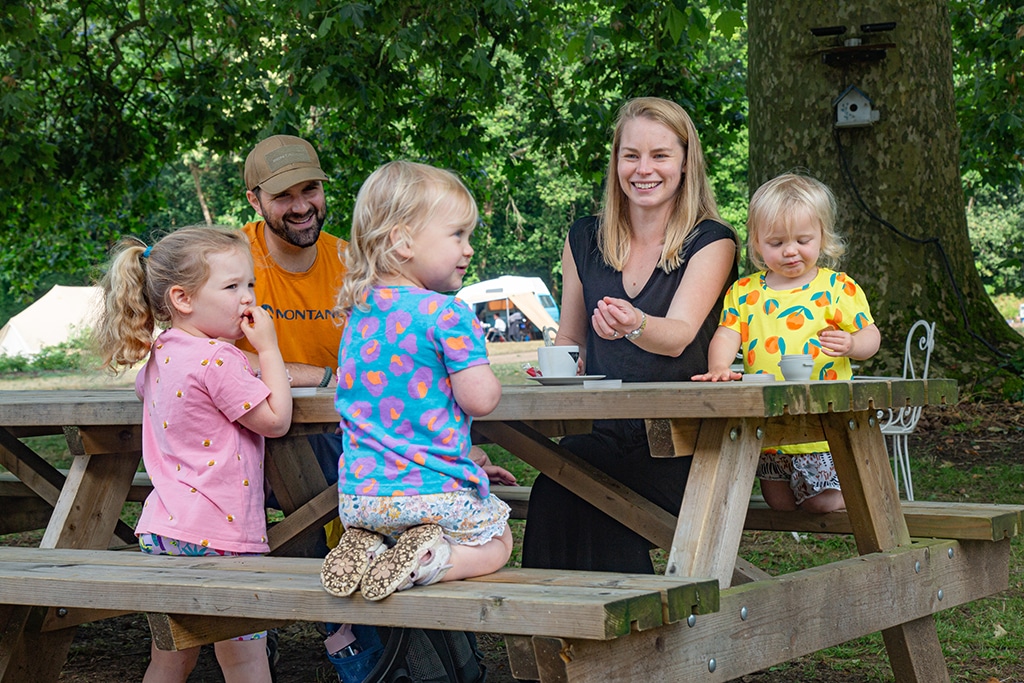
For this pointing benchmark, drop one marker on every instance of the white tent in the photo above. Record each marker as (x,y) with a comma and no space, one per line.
(521,291)
(50,320)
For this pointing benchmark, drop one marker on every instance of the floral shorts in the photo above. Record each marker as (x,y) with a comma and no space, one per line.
(808,474)
(154,544)
(466,518)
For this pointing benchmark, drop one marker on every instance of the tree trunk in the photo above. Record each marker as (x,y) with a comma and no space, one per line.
(207,216)
(901,170)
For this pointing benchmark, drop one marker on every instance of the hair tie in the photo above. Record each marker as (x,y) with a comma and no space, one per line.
(147,252)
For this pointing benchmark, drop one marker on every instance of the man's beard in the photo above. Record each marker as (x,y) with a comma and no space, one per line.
(298,238)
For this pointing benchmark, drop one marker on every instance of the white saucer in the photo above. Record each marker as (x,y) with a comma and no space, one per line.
(564,381)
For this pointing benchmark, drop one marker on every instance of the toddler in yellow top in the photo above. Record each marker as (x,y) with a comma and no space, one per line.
(794,306)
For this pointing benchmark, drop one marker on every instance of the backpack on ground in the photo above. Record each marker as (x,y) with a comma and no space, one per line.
(414,655)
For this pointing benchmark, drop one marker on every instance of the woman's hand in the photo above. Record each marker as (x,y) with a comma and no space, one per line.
(614,318)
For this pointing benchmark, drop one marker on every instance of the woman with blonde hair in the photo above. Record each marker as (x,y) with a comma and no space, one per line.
(641,294)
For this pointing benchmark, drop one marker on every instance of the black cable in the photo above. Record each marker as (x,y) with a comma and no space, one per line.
(947,266)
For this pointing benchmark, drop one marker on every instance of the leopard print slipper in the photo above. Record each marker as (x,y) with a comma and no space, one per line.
(420,557)
(346,565)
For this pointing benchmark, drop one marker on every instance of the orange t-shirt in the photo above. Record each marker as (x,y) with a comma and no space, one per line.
(301,304)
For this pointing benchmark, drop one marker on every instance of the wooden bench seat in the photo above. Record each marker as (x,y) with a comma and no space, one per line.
(588,605)
(925,519)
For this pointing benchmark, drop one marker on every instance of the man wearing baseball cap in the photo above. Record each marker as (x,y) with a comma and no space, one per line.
(298,267)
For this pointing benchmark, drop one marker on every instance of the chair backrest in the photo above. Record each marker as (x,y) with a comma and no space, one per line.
(922,338)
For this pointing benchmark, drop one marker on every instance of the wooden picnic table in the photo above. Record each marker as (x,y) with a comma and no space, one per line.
(895,586)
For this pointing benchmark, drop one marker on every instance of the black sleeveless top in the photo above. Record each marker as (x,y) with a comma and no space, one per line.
(621,359)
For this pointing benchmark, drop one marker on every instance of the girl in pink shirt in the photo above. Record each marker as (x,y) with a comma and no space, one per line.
(206,412)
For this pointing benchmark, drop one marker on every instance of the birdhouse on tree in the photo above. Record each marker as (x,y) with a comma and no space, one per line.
(853,108)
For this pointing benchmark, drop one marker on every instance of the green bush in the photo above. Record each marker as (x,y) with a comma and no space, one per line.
(72,355)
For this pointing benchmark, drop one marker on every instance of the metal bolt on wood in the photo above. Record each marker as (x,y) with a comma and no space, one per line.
(950,553)
(872,421)
(917,567)
(940,594)
(62,611)
(691,620)
(712,665)
(734,434)
(743,613)
(853,425)
(759,433)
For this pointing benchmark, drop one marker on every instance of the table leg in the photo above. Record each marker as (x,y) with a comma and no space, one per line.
(86,515)
(876,516)
(714,507)
(294,475)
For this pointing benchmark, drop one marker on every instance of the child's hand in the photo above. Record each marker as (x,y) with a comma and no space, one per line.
(718,375)
(836,343)
(499,475)
(496,475)
(258,328)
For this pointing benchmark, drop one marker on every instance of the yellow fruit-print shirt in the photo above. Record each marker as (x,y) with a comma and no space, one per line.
(775,322)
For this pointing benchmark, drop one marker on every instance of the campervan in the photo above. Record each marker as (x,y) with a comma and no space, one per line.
(512,294)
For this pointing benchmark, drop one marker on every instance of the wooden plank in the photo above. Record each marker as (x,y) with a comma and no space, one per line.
(829,397)
(925,519)
(12,487)
(746,572)
(521,659)
(516,497)
(873,503)
(87,512)
(583,479)
(581,612)
(22,514)
(672,438)
(941,392)
(182,631)
(294,475)
(680,597)
(715,502)
(291,535)
(39,475)
(764,623)
(869,394)
(633,400)
(792,429)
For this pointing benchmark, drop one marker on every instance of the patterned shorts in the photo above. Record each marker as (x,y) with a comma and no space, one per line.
(808,474)
(154,544)
(466,518)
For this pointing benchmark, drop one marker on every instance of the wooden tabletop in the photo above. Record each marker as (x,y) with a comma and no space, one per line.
(637,400)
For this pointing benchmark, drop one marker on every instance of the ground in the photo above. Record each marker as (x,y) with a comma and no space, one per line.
(116,650)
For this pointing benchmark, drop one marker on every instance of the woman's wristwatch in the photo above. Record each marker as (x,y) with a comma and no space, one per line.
(635,334)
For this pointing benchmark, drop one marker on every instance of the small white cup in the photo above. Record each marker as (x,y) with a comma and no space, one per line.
(797,367)
(558,361)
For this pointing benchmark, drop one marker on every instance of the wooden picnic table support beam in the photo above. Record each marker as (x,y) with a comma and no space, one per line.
(86,515)
(768,622)
(583,479)
(873,505)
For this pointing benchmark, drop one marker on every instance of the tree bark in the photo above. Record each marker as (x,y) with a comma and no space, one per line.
(897,181)
(207,216)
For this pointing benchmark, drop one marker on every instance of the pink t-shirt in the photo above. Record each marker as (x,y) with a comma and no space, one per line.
(207,470)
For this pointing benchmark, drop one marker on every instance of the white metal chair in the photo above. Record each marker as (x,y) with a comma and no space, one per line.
(901,423)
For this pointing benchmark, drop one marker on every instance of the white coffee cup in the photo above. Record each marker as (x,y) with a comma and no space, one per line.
(558,361)
(797,367)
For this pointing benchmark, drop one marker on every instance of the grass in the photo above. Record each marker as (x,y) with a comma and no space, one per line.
(981,640)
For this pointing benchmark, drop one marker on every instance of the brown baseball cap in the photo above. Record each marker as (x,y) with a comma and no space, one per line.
(279,162)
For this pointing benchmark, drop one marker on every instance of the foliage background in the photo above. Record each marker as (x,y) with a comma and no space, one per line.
(134,116)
